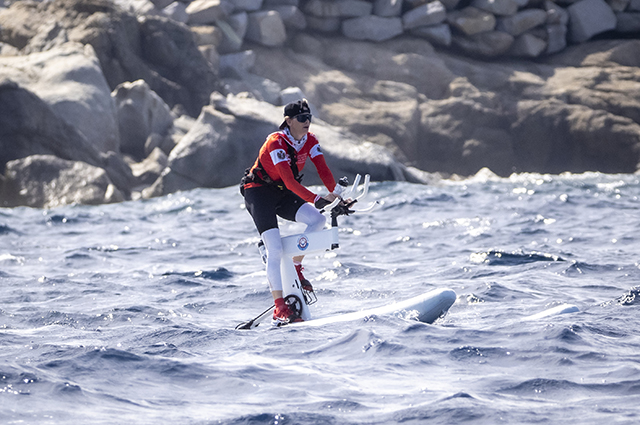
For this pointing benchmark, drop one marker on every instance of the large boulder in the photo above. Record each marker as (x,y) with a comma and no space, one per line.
(160,51)
(616,90)
(464,133)
(497,7)
(207,11)
(141,113)
(338,9)
(489,44)
(588,18)
(426,15)
(69,79)
(471,20)
(266,28)
(374,28)
(28,126)
(46,181)
(522,22)
(554,137)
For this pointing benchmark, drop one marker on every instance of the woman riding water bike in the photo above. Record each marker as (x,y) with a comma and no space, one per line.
(271,188)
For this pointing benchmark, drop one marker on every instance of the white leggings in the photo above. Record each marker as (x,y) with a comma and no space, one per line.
(306,214)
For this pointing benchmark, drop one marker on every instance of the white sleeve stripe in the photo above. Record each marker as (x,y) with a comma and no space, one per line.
(315,151)
(278,155)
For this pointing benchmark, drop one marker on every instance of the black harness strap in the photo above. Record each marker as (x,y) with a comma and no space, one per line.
(258,175)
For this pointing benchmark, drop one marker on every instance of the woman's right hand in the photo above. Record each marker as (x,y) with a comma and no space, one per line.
(323,201)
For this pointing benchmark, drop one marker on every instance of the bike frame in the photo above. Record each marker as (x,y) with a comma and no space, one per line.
(313,243)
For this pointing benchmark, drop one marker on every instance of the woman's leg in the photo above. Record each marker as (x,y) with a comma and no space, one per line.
(273,244)
(315,222)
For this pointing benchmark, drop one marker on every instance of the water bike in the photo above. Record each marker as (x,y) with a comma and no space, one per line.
(428,307)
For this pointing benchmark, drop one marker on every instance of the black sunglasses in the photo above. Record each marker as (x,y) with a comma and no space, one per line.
(303,117)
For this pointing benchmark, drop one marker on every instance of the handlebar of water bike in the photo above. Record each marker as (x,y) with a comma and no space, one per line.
(342,205)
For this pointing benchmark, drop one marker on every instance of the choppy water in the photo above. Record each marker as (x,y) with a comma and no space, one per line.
(125,313)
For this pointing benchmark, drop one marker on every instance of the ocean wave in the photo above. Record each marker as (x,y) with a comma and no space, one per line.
(570,390)
(219,273)
(514,258)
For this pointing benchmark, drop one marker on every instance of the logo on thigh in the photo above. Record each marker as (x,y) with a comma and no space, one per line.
(303,243)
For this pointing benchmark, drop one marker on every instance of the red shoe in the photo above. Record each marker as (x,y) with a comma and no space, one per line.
(306,285)
(283,314)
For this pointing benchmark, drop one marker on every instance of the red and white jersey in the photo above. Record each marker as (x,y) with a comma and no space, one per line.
(276,162)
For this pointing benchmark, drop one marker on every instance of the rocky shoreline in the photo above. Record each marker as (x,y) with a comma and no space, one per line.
(103,102)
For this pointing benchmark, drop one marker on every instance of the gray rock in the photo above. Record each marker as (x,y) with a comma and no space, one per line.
(205,35)
(45,181)
(471,20)
(70,80)
(634,6)
(556,14)
(450,4)
(161,4)
(31,127)
(138,7)
(141,112)
(387,8)
(588,18)
(8,50)
(293,94)
(586,139)
(148,171)
(488,44)
(176,11)
(372,27)
(628,22)
(497,7)
(208,11)
(266,28)
(432,13)
(118,171)
(462,134)
(528,45)
(234,29)
(271,3)
(247,5)
(338,9)
(327,25)
(522,21)
(210,53)
(437,34)
(556,38)
(618,5)
(237,64)
(292,17)
(255,87)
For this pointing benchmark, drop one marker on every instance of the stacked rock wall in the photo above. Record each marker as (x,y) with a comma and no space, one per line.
(487,28)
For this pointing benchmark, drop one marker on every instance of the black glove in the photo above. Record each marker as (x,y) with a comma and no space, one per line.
(321,203)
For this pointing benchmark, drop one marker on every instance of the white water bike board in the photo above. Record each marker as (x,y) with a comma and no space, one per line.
(427,308)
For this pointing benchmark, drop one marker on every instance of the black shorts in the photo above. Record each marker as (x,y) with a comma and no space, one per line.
(265,202)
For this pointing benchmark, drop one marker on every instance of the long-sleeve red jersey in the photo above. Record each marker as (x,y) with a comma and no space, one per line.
(276,163)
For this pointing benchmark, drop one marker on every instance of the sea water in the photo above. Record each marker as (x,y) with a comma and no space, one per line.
(125,313)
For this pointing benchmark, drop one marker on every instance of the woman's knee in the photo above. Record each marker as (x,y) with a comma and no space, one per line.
(273,244)
(310,216)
